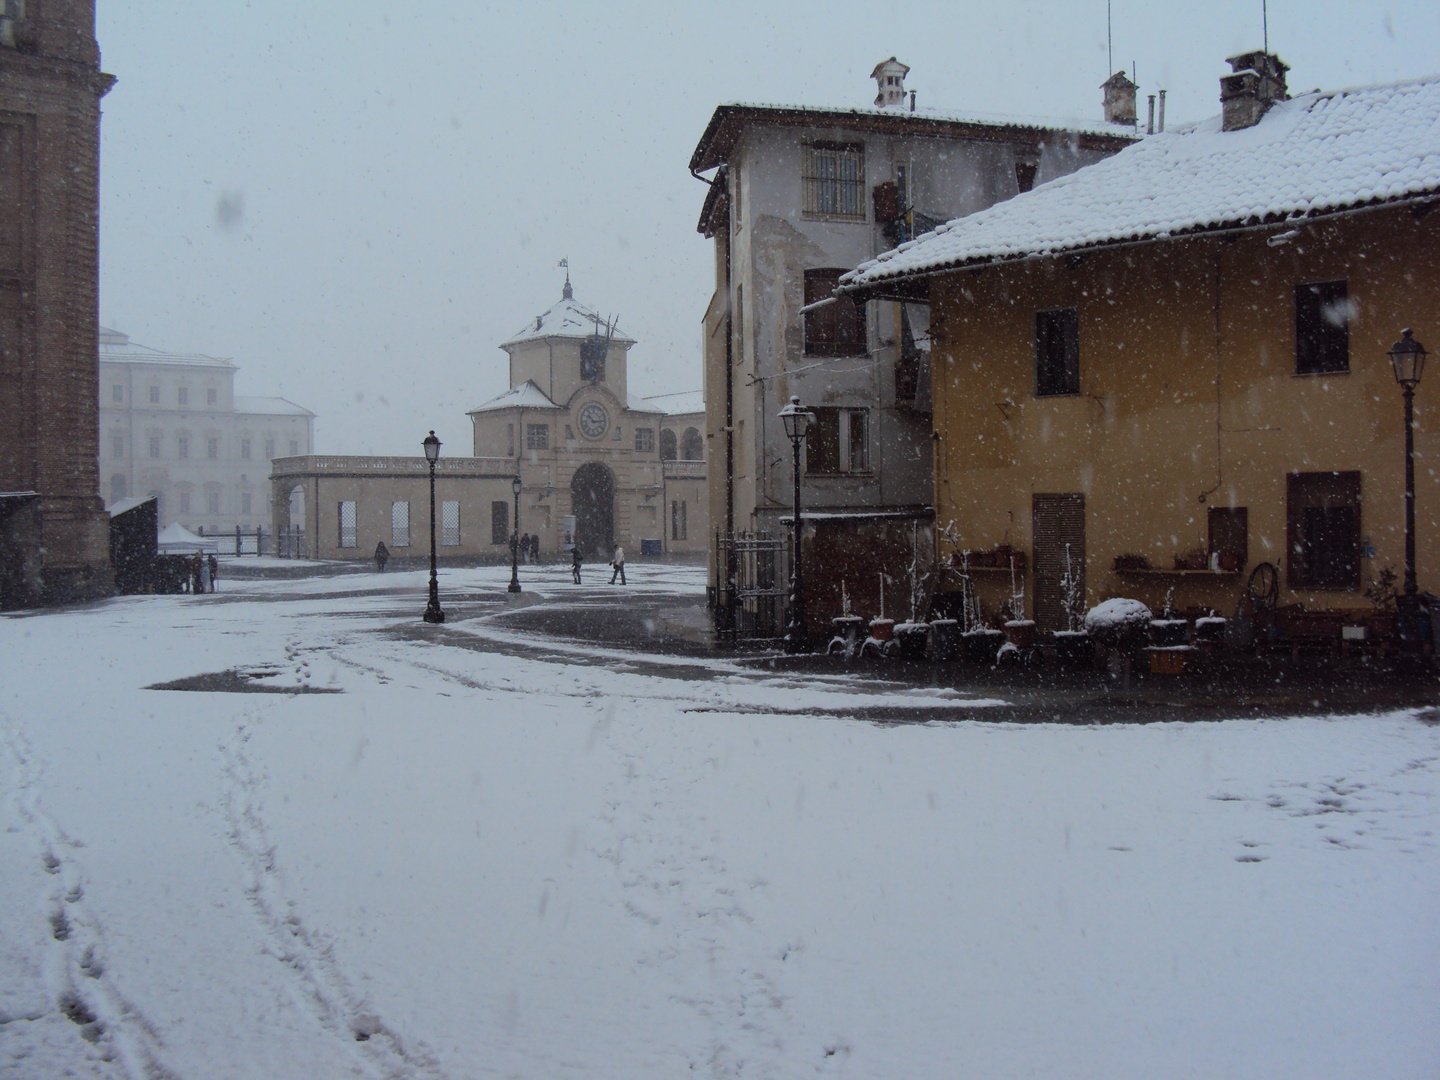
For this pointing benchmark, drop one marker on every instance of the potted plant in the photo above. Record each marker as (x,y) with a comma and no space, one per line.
(982,645)
(1121,626)
(1073,646)
(1382,593)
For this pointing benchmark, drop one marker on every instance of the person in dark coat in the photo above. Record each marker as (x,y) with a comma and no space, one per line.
(195,583)
(214,572)
(576,558)
(382,556)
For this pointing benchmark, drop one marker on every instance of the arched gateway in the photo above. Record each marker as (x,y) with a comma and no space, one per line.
(592,500)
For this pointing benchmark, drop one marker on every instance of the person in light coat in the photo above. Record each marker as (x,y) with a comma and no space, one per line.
(617,565)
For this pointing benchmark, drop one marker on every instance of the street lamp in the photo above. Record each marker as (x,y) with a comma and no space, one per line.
(1407,358)
(515,539)
(433,614)
(797,421)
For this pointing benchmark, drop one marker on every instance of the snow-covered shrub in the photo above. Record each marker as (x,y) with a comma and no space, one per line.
(1118,622)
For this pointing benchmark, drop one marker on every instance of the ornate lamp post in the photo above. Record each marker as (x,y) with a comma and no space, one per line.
(433,614)
(797,421)
(1407,358)
(515,539)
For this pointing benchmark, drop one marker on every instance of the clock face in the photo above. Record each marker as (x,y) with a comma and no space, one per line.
(593,421)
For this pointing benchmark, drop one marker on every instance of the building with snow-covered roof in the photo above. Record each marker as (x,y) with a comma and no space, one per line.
(798,196)
(173,428)
(1176,357)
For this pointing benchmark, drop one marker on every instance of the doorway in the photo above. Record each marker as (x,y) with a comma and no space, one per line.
(592,499)
(1058,523)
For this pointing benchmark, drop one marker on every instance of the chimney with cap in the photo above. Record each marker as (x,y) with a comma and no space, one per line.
(1258,82)
(1119,99)
(889,75)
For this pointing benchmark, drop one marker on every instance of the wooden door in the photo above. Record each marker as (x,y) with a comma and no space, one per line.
(1058,529)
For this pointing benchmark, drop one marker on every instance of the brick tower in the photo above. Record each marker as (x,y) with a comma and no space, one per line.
(54,533)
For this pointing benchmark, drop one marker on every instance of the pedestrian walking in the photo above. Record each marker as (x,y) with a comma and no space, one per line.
(617,566)
(525,548)
(204,573)
(214,572)
(576,558)
(382,556)
(194,566)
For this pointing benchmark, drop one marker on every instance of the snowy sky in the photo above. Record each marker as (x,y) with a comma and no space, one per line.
(358,201)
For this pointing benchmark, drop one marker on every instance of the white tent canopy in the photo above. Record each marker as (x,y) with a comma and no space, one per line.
(176,538)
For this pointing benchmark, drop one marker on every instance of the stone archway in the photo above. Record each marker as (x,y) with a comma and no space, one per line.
(592,500)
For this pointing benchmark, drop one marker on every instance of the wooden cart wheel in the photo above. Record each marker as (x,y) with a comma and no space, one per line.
(1263,587)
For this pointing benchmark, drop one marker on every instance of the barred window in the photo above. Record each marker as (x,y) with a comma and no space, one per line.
(117,444)
(537,436)
(449,524)
(399,524)
(212,448)
(348,538)
(212,502)
(677,520)
(182,444)
(832,180)
(644,440)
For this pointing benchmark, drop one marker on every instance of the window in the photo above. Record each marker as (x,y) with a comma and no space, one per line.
(692,447)
(117,392)
(211,397)
(537,436)
(667,445)
(244,449)
(294,447)
(1322,328)
(837,329)
(499,522)
(117,487)
(1229,535)
(183,395)
(154,445)
(269,448)
(838,441)
(449,524)
(644,440)
(677,520)
(245,502)
(346,516)
(399,524)
(1323,530)
(154,395)
(184,502)
(832,181)
(212,502)
(1024,175)
(1057,352)
(212,448)
(117,446)
(182,446)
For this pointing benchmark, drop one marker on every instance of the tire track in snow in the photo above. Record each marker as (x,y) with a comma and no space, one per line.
(674,881)
(307,954)
(76,974)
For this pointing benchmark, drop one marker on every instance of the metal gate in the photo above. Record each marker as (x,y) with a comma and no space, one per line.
(754,604)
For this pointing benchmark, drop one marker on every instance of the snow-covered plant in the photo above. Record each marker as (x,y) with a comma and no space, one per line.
(1382,591)
(1072,594)
(844,599)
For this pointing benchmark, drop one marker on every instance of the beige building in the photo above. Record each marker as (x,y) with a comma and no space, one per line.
(798,196)
(173,428)
(1173,367)
(598,467)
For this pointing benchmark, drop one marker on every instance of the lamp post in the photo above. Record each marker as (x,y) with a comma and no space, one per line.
(797,421)
(433,614)
(515,539)
(1407,358)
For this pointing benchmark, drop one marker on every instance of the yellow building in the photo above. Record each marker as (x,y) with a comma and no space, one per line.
(1171,366)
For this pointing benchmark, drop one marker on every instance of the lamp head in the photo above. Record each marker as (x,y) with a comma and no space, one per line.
(797,419)
(1407,358)
(515,485)
(432,448)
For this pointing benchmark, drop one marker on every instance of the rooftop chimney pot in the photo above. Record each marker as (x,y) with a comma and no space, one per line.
(889,76)
(1120,99)
(1257,83)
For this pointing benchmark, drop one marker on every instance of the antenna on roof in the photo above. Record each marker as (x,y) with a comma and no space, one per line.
(1265,22)
(567,293)
(1109,44)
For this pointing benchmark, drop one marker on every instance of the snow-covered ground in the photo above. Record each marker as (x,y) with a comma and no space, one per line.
(483,860)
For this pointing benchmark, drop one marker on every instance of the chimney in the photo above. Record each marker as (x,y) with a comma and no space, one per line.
(1119,99)
(1258,82)
(889,75)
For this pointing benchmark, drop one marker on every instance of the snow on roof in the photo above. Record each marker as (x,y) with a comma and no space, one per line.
(116,347)
(567,319)
(525,396)
(691,401)
(1317,153)
(714,144)
(635,404)
(124,506)
(269,406)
